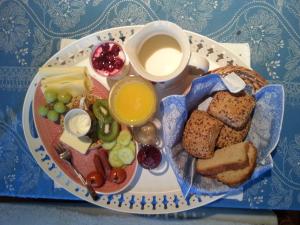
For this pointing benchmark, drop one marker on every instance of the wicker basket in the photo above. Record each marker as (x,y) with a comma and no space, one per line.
(250,77)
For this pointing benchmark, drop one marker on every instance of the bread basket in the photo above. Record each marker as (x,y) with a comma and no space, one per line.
(264,132)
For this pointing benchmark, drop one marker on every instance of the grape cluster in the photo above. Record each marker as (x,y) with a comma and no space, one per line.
(56,104)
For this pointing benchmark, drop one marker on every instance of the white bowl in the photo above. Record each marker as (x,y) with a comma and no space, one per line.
(71,114)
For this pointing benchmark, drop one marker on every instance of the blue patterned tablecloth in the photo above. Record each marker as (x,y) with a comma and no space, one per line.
(30,32)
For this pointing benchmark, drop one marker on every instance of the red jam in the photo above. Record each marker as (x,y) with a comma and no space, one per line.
(108,59)
(149,157)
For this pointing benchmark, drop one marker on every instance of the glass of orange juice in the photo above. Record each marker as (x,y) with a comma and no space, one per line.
(132,101)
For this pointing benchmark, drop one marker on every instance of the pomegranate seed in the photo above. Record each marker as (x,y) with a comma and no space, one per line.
(105,47)
(111,68)
(110,57)
(102,54)
(118,63)
(115,50)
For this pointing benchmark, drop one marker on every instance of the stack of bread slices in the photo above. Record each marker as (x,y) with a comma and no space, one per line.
(216,138)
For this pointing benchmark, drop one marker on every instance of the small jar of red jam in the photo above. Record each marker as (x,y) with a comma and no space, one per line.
(149,157)
(108,59)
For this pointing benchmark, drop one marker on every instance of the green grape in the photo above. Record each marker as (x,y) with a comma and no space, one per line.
(64,97)
(43,110)
(59,107)
(52,115)
(50,96)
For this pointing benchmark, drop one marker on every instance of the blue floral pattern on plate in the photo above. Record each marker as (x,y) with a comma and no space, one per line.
(264,132)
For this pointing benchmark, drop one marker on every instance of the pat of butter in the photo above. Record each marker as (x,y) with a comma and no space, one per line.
(234,83)
(80,144)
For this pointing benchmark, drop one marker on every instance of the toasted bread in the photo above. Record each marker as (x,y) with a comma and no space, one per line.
(232,109)
(236,177)
(200,134)
(230,158)
(230,136)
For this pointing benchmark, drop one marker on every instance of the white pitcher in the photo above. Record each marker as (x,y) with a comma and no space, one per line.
(134,44)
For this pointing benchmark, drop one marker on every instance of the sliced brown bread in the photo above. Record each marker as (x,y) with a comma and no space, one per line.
(230,158)
(230,136)
(236,177)
(200,134)
(232,109)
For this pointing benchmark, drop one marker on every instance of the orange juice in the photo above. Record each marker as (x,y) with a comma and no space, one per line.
(132,101)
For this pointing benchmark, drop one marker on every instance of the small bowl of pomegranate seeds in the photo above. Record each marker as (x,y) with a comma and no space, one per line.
(108,59)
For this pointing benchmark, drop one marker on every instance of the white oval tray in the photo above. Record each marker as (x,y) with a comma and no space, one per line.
(149,194)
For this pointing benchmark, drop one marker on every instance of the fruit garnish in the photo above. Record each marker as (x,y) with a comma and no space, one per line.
(55,104)
(101,111)
(149,157)
(59,107)
(108,132)
(53,115)
(117,175)
(50,96)
(64,97)
(43,110)
(95,179)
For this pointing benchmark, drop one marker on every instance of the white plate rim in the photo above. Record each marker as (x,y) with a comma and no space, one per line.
(134,202)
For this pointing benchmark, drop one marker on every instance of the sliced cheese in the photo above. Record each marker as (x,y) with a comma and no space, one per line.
(75,81)
(62,77)
(75,88)
(81,144)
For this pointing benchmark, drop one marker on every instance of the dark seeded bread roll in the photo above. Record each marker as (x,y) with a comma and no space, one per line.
(232,109)
(200,134)
(229,136)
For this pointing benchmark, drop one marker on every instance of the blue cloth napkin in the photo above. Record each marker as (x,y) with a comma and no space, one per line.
(264,132)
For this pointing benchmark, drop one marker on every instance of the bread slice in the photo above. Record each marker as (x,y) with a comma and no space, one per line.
(230,158)
(234,178)
(232,109)
(200,134)
(230,136)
